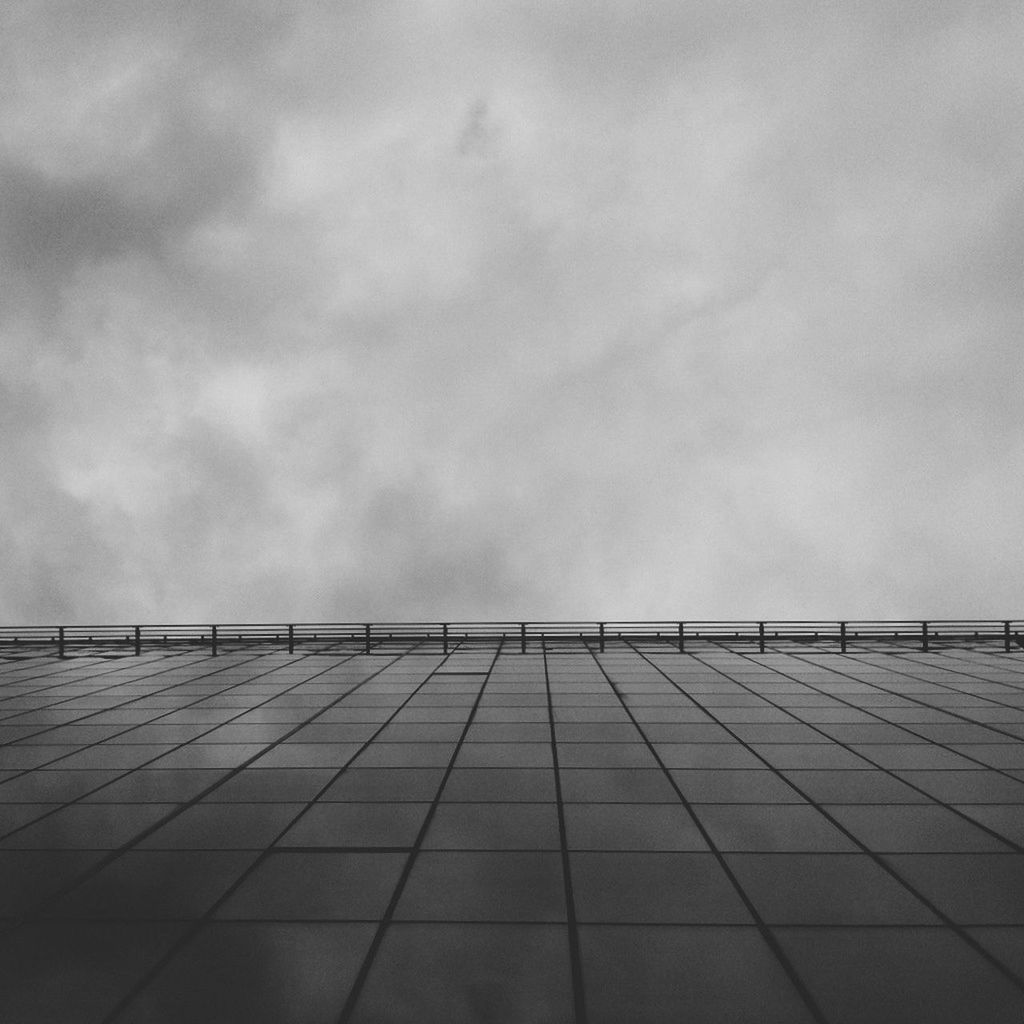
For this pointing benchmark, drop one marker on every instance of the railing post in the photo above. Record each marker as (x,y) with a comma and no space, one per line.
(1006,636)
(367,637)
(138,640)
(842,637)
(760,637)
(213,641)
(522,637)
(600,633)
(60,641)
(682,643)
(291,639)
(444,636)
(924,636)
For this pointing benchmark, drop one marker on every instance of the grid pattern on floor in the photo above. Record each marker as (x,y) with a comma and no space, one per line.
(635,835)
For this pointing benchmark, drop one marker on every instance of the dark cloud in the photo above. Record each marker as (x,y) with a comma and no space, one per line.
(56,225)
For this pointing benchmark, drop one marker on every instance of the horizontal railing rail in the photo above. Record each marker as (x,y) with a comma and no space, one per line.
(522,636)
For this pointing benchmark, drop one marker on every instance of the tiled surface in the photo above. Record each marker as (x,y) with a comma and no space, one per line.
(571,836)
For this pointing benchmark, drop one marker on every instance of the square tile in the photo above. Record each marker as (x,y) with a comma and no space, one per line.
(707,755)
(157,885)
(509,732)
(654,888)
(486,886)
(981,787)
(631,827)
(900,976)
(535,785)
(14,816)
(870,733)
(23,757)
(701,975)
(272,785)
(358,825)
(605,755)
(497,715)
(1006,820)
(421,732)
(162,732)
(854,787)
(334,732)
(468,973)
(457,715)
(992,755)
(405,755)
(209,755)
(61,971)
(913,829)
(209,826)
(597,732)
(504,755)
(679,713)
(54,786)
(616,785)
(513,700)
(249,973)
(307,755)
(316,886)
(1005,944)
(740,786)
(809,755)
(770,829)
(832,713)
(759,716)
(384,784)
(778,733)
(977,889)
(825,889)
(27,877)
(89,827)
(111,755)
(158,786)
(342,715)
(957,732)
(493,826)
(910,756)
(590,714)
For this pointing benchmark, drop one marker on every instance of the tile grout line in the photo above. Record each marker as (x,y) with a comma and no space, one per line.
(359,983)
(196,924)
(122,706)
(145,663)
(20,741)
(174,747)
(766,934)
(575,956)
(943,687)
(64,668)
(877,858)
(846,745)
(111,855)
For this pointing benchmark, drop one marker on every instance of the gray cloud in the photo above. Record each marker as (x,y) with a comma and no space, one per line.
(396,311)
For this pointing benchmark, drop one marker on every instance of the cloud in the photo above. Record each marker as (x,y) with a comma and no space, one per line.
(370,310)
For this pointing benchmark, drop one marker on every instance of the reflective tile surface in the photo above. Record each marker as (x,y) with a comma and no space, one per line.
(561,836)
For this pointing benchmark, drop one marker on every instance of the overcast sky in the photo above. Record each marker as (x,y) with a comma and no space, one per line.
(557,309)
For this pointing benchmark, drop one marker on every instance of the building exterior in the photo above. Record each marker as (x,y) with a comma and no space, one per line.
(491,825)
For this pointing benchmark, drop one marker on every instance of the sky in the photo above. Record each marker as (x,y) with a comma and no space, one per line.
(440,310)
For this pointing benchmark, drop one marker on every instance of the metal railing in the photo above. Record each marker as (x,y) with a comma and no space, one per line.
(510,637)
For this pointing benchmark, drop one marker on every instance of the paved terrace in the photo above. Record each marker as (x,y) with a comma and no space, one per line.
(409,835)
